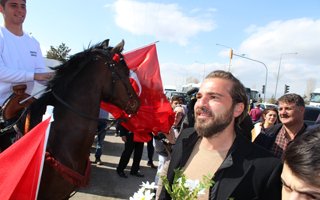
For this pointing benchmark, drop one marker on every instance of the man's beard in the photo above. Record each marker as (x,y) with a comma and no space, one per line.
(214,125)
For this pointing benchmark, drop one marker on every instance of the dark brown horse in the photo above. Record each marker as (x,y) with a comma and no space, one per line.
(87,78)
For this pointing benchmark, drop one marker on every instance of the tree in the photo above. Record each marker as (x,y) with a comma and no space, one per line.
(273,100)
(60,53)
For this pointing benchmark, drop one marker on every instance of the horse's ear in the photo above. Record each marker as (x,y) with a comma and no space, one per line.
(118,48)
(105,44)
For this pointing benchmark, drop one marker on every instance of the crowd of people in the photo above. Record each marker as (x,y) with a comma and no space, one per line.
(270,157)
(278,160)
(260,154)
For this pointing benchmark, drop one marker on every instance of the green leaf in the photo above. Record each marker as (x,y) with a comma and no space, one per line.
(178,190)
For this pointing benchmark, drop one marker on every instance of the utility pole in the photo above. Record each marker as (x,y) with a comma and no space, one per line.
(265,66)
(275,92)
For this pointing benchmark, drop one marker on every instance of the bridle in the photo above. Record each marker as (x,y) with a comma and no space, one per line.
(115,76)
(117,59)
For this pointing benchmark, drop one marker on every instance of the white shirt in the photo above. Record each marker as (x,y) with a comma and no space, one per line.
(20,58)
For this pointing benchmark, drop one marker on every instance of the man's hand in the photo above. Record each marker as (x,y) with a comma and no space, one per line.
(124,138)
(43,76)
(171,136)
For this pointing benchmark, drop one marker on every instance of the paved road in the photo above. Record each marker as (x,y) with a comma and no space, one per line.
(105,182)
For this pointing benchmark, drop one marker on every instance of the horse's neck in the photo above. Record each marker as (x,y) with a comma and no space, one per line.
(72,134)
(37,110)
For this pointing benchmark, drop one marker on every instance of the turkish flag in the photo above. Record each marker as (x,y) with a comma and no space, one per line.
(21,164)
(155,113)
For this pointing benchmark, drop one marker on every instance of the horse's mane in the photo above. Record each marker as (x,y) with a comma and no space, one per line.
(68,70)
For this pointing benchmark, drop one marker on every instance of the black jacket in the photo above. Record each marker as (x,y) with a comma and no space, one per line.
(267,138)
(248,172)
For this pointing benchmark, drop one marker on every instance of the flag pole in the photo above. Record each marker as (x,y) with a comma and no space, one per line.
(48,114)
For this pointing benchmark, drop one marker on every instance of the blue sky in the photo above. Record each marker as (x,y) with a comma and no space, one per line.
(188,32)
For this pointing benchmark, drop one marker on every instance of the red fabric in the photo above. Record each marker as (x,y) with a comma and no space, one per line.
(21,164)
(70,175)
(116,57)
(155,113)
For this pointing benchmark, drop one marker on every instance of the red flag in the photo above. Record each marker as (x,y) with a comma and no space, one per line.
(155,113)
(21,165)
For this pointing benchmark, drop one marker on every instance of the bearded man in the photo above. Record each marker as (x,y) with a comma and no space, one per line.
(217,147)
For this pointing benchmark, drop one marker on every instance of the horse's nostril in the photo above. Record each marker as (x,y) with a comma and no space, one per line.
(133,105)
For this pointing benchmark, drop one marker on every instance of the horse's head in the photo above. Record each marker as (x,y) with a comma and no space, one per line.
(97,74)
(122,93)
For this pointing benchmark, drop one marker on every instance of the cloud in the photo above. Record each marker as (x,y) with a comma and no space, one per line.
(163,21)
(283,36)
(281,39)
(266,44)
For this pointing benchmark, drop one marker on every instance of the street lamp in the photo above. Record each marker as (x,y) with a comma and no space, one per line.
(231,53)
(243,56)
(282,54)
(266,81)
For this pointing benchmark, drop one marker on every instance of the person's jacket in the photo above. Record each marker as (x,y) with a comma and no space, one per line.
(248,172)
(267,138)
(123,131)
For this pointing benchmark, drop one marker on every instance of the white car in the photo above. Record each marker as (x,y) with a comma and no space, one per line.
(267,105)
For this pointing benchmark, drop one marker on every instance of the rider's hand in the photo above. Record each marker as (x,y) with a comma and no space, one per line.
(43,76)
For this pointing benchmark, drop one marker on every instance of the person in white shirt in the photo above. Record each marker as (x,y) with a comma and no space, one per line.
(21,64)
(21,60)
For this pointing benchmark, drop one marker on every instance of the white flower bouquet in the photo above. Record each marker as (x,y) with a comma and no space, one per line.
(182,188)
(146,192)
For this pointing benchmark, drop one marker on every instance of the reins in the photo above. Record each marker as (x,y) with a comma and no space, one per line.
(74,110)
(12,125)
(113,122)
(115,76)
